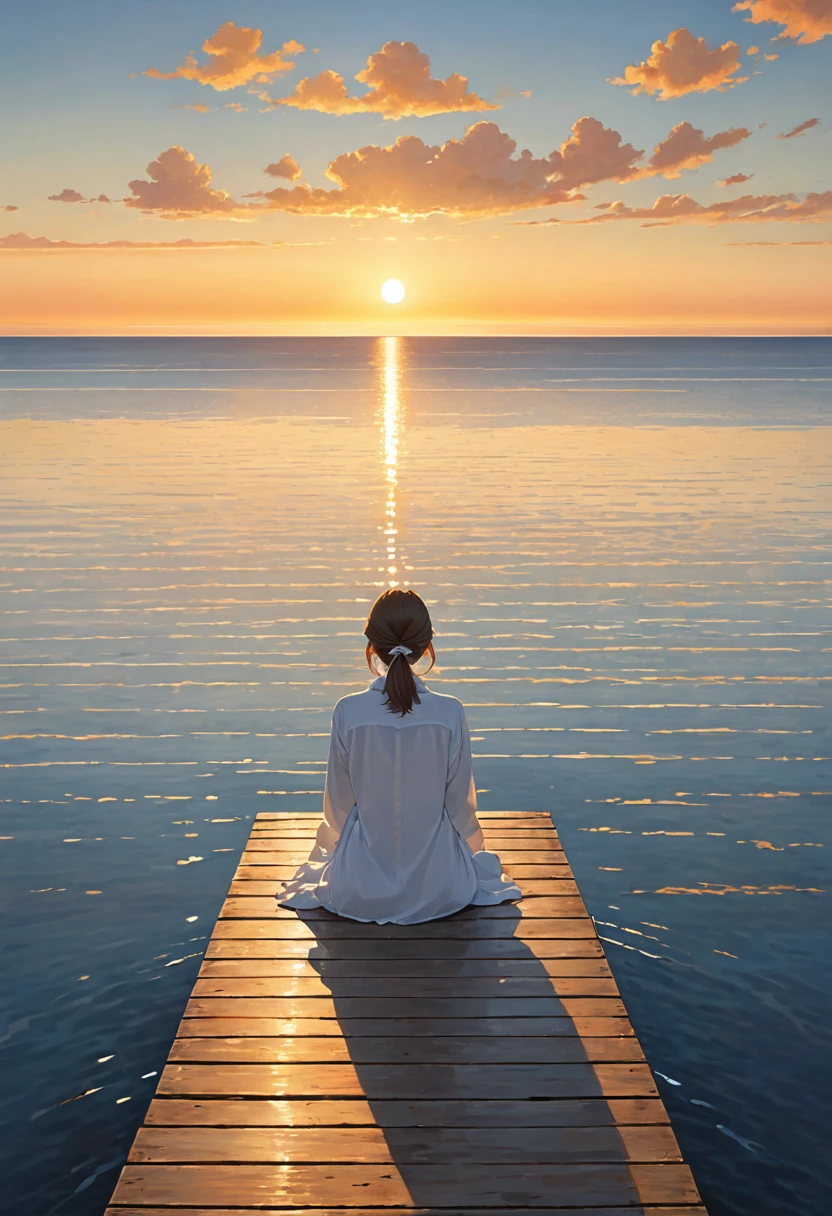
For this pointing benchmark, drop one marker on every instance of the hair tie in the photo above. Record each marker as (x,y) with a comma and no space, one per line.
(399,650)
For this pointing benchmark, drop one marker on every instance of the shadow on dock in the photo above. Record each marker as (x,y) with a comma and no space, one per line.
(488,1086)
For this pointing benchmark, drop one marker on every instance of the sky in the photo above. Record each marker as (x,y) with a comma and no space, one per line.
(539,167)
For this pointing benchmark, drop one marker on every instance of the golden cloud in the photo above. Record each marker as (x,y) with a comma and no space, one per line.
(286,167)
(593,153)
(9,207)
(233,60)
(686,147)
(473,177)
(683,65)
(682,209)
(401,86)
(804,20)
(800,129)
(180,188)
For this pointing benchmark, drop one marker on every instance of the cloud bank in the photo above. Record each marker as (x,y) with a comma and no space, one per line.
(682,209)
(233,60)
(482,174)
(683,65)
(21,241)
(804,20)
(400,86)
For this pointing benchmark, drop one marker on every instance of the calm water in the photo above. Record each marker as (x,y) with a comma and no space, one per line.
(626,548)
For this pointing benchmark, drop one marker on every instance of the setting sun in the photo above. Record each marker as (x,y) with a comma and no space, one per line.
(392,291)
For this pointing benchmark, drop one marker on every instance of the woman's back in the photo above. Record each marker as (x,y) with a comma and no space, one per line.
(403,771)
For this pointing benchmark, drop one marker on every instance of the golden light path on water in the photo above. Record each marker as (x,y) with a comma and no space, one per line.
(390,376)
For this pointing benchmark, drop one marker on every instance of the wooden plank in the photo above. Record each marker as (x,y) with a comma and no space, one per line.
(528,886)
(337,987)
(517,1081)
(396,1007)
(529,838)
(583,1027)
(258,906)
(284,870)
(407,1145)
(638,1210)
(397,1049)
(391,969)
(347,950)
(294,856)
(492,1185)
(357,1112)
(466,930)
(314,816)
(474,1065)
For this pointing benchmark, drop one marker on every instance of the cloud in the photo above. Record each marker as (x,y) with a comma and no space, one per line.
(72,196)
(236,106)
(20,241)
(180,188)
(286,167)
(682,65)
(682,209)
(10,207)
(233,60)
(686,147)
(67,196)
(736,179)
(800,129)
(593,153)
(804,20)
(400,86)
(476,176)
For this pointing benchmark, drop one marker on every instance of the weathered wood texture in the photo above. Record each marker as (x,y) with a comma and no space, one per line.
(481,1064)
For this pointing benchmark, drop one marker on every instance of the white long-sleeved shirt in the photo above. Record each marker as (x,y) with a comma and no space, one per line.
(399,840)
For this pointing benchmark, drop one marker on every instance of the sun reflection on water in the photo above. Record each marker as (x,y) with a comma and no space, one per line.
(390,363)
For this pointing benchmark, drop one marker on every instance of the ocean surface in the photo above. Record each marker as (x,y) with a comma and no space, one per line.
(626,548)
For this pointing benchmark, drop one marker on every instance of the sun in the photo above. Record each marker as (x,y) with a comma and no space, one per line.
(392,291)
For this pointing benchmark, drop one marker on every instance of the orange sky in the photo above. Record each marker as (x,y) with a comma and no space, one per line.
(520,280)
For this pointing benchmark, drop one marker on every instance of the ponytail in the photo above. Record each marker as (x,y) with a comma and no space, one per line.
(399,630)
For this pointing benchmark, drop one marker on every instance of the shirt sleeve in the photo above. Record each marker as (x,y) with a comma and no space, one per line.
(460,791)
(339,796)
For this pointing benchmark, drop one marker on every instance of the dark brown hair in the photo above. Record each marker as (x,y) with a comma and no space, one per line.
(399,618)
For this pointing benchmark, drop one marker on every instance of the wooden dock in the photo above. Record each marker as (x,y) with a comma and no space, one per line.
(480,1064)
